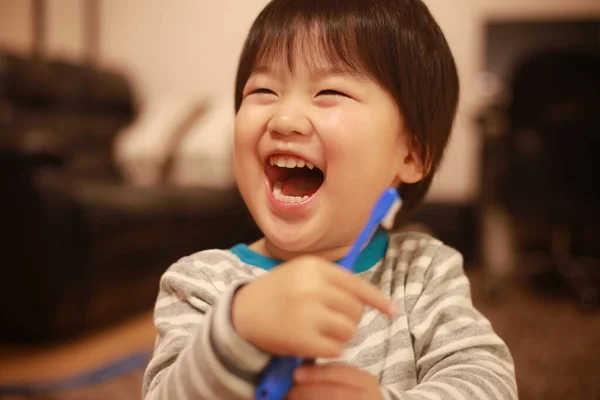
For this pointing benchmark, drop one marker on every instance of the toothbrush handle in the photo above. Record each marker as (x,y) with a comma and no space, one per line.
(278,378)
(349,260)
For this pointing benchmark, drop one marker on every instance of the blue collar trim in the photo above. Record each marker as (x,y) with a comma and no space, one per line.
(367,258)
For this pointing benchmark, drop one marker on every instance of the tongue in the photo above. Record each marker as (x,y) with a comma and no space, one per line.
(301,185)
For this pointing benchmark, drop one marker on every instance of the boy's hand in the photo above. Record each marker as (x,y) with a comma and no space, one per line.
(334,382)
(308,307)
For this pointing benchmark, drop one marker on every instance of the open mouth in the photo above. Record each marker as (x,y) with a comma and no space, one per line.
(292,179)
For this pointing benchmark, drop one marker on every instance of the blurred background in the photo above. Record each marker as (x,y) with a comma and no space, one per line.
(116,121)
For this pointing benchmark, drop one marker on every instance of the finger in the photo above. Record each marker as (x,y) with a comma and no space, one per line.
(337,327)
(319,346)
(314,391)
(338,300)
(333,374)
(364,291)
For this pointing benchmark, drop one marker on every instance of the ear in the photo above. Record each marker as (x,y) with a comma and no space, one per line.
(411,168)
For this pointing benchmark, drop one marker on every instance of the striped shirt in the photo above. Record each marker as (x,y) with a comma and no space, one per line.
(438,347)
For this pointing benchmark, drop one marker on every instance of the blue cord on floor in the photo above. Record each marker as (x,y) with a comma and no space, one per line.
(107,372)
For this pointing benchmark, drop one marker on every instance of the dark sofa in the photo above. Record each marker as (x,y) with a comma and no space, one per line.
(81,247)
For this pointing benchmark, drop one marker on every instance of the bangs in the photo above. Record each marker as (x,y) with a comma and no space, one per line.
(315,31)
(314,42)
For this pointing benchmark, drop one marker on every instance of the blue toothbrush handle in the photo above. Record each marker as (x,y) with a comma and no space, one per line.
(349,260)
(277,378)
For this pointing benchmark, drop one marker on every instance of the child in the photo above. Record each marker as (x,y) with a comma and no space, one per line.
(336,100)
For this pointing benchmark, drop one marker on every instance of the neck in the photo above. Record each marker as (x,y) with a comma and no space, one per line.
(268,249)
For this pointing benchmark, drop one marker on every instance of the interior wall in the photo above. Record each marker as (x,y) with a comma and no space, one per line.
(191,47)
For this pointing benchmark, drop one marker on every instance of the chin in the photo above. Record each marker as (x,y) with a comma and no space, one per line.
(293,238)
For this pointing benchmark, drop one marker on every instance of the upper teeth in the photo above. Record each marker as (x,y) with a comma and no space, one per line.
(289,162)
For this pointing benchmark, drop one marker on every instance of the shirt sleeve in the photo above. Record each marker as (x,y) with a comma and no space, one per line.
(198,354)
(458,355)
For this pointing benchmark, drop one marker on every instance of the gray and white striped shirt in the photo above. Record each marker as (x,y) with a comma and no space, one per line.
(439,346)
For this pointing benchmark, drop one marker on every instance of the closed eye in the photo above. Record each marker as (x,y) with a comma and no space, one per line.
(262,91)
(331,93)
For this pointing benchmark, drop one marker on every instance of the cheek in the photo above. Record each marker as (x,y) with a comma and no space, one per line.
(362,151)
(342,134)
(248,130)
(357,139)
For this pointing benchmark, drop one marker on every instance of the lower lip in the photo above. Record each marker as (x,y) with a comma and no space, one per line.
(278,204)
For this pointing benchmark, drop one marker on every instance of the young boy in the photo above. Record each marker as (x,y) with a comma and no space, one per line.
(335,102)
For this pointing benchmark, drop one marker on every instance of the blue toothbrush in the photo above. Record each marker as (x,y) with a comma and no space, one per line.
(277,378)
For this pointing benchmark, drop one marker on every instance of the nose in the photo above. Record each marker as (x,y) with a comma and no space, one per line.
(289,119)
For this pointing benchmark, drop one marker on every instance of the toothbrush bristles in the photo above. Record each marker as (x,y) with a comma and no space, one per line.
(390,217)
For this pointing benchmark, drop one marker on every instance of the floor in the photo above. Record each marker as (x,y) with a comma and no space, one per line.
(555,344)
(21,364)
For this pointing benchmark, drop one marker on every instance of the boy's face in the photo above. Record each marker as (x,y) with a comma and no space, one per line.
(344,125)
